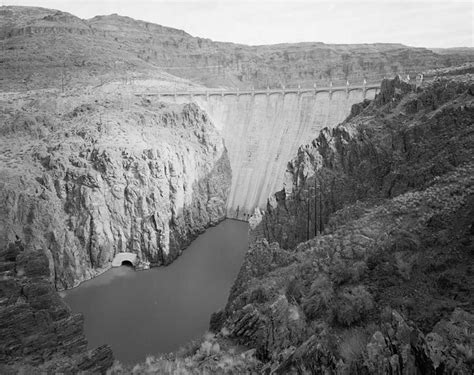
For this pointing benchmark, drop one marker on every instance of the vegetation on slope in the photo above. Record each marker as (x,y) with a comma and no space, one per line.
(386,286)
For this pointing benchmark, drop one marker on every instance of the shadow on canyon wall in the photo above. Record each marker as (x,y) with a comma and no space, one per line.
(36,325)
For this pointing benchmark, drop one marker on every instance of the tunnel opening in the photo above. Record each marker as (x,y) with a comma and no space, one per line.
(125,259)
(127,263)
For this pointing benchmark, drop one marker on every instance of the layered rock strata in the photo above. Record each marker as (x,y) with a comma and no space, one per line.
(38,331)
(39,43)
(87,177)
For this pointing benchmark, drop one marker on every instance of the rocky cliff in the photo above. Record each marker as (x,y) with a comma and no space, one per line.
(364,264)
(49,48)
(38,331)
(399,142)
(85,177)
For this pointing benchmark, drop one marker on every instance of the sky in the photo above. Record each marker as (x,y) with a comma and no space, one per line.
(422,23)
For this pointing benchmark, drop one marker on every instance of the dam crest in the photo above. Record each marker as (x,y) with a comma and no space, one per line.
(283,91)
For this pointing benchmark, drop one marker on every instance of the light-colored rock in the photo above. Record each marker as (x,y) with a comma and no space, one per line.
(124,257)
(104,176)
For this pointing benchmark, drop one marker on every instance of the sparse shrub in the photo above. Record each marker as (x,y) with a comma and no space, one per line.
(306,270)
(467,351)
(340,272)
(189,349)
(351,305)
(405,262)
(404,240)
(382,268)
(358,270)
(217,320)
(294,291)
(259,295)
(444,283)
(373,261)
(319,300)
(351,349)
(343,272)
(117,368)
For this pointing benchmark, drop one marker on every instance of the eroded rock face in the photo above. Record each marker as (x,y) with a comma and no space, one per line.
(401,141)
(37,328)
(383,288)
(95,179)
(117,47)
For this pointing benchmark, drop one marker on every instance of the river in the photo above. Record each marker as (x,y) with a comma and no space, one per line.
(161,309)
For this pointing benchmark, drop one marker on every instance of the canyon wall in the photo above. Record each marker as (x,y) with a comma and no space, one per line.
(39,332)
(356,161)
(263,132)
(39,42)
(86,177)
(374,226)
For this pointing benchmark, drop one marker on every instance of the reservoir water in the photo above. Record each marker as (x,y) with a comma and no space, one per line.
(161,309)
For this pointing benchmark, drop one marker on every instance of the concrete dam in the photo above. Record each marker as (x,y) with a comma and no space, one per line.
(262,131)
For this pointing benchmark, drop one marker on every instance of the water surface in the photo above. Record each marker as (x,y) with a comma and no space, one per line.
(159,310)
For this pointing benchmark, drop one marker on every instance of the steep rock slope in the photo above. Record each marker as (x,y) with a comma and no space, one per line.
(384,287)
(38,330)
(400,141)
(85,177)
(39,43)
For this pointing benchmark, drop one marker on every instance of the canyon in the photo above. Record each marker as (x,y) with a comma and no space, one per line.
(346,260)
(38,43)
(363,263)
(285,122)
(359,201)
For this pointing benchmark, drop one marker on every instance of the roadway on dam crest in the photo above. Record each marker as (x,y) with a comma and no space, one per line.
(283,91)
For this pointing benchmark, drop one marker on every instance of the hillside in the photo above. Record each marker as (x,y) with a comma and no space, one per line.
(364,261)
(374,280)
(48,48)
(85,175)
(362,264)
(88,175)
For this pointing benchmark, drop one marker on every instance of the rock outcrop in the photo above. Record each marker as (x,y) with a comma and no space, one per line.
(101,176)
(38,42)
(399,142)
(379,282)
(38,330)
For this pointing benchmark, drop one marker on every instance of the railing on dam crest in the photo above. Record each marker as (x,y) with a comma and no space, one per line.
(271,91)
(281,91)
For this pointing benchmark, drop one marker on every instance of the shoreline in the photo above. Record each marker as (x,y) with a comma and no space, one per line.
(62,292)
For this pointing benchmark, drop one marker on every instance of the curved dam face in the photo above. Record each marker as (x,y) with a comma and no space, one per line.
(263,132)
